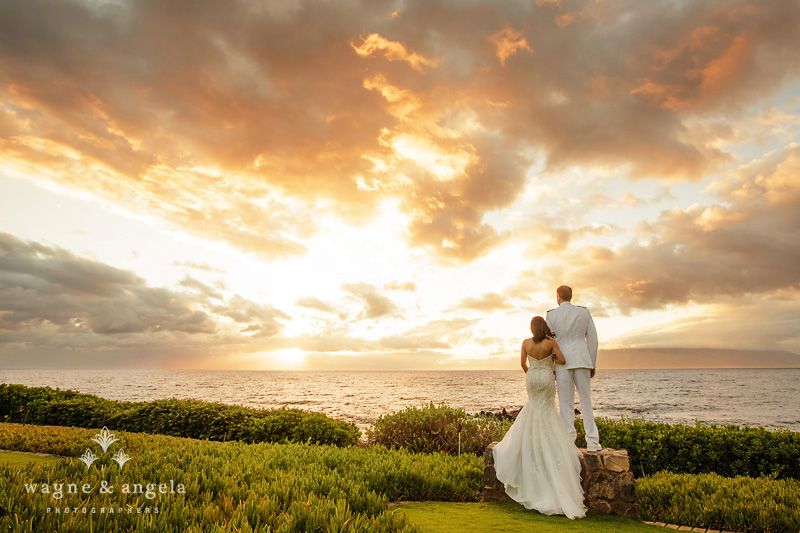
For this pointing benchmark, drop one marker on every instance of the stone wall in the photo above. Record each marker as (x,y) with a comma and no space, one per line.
(608,484)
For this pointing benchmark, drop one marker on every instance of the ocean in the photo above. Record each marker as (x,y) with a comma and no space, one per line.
(753,397)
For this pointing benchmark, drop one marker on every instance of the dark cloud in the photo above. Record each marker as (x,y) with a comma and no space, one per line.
(259,320)
(197,285)
(47,284)
(51,299)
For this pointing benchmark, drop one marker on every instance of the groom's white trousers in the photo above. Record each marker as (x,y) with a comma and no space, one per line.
(567,381)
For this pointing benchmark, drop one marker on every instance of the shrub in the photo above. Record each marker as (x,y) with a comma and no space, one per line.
(294,425)
(436,429)
(726,450)
(178,418)
(713,501)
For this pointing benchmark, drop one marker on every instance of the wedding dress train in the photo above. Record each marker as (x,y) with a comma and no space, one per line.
(537,461)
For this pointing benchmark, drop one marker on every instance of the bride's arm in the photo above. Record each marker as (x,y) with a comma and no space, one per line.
(559,358)
(523,359)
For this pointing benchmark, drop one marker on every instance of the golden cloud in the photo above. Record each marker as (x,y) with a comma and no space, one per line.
(392,50)
(235,123)
(508,42)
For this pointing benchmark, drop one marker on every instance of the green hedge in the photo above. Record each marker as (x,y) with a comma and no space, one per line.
(725,450)
(717,502)
(652,447)
(179,418)
(230,486)
(436,429)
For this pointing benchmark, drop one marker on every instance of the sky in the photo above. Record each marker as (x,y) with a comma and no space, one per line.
(355,184)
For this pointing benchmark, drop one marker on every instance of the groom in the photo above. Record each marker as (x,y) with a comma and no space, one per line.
(576,335)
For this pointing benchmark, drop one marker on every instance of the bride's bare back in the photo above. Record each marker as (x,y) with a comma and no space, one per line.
(540,350)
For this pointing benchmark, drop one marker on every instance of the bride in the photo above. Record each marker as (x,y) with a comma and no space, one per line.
(537,461)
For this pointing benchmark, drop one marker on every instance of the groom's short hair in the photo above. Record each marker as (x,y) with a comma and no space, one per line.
(565,293)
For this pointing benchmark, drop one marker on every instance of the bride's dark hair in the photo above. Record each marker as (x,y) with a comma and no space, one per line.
(540,329)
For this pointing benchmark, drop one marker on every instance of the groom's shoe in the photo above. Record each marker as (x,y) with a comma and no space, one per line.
(593,448)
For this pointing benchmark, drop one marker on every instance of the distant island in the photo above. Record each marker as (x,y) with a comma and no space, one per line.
(648,358)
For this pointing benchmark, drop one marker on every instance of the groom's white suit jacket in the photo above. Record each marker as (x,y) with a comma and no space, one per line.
(575,334)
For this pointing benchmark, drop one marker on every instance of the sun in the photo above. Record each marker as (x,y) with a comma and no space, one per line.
(288,359)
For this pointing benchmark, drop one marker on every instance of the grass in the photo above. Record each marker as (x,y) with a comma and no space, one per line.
(442,517)
(24,459)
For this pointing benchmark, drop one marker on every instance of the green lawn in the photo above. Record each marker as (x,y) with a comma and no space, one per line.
(21,459)
(443,517)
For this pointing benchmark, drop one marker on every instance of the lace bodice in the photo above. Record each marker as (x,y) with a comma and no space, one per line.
(540,383)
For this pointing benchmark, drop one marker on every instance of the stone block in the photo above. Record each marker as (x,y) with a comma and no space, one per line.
(590,461)
(602,487)
(628,510)
(617,461)
(489,475)
(493,494)
(626,487)
(589,479)
(488,457)
(599,506)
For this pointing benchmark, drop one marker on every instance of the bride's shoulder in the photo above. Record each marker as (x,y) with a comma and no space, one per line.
(527,342)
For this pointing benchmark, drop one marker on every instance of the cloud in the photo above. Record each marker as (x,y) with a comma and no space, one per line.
(408,286)
(749,243)
(259,320)
(236,122)
(312,302)
(488,302)
(41,284)
(508,42)
(197,266)
(755,322)
(52,299)
(375,304)
(392,50)
(200,287)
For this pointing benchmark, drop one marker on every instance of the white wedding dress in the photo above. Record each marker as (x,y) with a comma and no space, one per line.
(537,461)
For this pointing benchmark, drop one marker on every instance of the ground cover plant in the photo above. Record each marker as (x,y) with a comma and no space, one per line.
(231,486)
(712,501)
